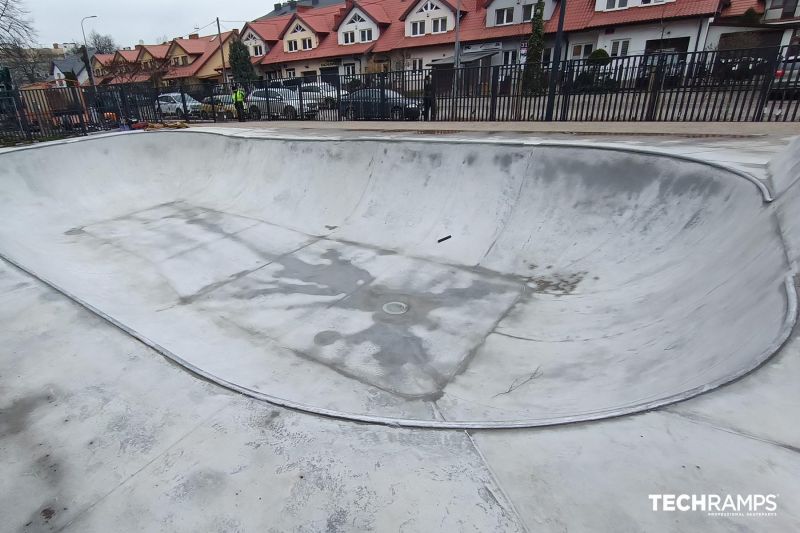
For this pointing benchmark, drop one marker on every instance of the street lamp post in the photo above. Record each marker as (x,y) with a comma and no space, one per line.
(86,50)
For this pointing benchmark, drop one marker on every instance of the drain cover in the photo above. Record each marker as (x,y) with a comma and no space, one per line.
(395,308)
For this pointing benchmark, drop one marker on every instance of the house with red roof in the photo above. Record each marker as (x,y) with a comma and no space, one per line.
(198,59)
(358,36)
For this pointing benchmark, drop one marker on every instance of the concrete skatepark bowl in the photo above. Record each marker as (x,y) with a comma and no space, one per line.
(577,282)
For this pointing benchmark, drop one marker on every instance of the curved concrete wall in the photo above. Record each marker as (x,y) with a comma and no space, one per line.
(576,283)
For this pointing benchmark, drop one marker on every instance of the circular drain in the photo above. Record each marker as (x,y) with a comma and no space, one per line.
(395,308)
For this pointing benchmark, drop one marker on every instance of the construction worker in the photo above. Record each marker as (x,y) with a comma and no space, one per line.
(238,102)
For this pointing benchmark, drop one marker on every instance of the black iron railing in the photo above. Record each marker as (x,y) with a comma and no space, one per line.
(736,85)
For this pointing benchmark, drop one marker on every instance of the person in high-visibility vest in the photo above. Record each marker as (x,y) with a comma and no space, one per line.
(238,102)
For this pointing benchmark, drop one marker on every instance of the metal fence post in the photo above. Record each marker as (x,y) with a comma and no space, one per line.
(22,114)
(763,95)
(183,103)
(654,88)
(566,84)
(493,92)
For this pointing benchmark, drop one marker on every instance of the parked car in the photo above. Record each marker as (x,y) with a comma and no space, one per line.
(171,104)
(280,103)
(786,80)
(377,103)
(326,93)
(287,83)
(222,103)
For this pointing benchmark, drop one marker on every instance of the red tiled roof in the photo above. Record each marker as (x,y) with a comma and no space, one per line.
(193,46)
(210,46)
(104,59)
(375,12)
(158,51)
(329,47)
(414,4)
(129,55)
(739,7)
(270,29)
(581,14)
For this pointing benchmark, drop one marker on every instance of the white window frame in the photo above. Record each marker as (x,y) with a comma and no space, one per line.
(292,45)
(308,41)
(298,29)
(416,64)
(428,6)
(583,54)
(366,35)
(511,55)
(528,7)
(356,18)
(616,4)
(350,69)
(349,37)
(507,16)
(290,73)
(258,50)
(439,25)
(417,28)
(622,47)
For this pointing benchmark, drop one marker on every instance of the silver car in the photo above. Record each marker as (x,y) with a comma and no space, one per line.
(171,104)
(281,103)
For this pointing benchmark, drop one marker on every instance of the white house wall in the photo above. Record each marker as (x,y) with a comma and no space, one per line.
(251,40)
(549,7)
(356,27)
(640,34)
(428,16)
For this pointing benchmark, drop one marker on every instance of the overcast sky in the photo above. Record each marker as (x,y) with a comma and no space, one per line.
(58,21)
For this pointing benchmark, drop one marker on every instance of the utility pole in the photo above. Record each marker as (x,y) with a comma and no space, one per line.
(555,63)
(457,51)
(222,55)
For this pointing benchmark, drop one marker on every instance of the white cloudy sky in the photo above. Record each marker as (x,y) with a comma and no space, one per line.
(58,21)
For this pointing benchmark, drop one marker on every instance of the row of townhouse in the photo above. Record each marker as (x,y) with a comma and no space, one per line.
(323,40)
(359,36)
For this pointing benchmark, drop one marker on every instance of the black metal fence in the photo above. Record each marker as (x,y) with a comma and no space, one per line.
(736,85)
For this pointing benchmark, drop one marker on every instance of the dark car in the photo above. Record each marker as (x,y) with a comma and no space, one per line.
(379,103)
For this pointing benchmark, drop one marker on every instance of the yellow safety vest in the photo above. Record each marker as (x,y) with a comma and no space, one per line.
(238,96)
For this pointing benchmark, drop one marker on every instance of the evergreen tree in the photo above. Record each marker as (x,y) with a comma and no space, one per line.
(533,77)
(241,68)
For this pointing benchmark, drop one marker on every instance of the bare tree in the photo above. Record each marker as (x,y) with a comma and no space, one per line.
(15,27)
(102,44)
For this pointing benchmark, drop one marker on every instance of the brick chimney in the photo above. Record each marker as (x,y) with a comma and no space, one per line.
(277,6)
(194,36)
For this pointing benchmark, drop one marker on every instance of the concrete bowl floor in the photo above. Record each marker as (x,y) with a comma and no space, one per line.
(434,284)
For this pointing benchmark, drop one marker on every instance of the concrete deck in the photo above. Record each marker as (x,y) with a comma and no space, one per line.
(99,431)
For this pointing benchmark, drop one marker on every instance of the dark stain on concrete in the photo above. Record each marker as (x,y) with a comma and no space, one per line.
(14,418)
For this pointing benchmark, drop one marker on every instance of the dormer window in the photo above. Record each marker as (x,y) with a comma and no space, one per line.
(258,50)
(356,18)
(298,29)
(293,46)
(439,25)
(349,37)
(506,15)
(527,13)
(428,6)
(418,27)
(618,4)
(307,44)
(366,35)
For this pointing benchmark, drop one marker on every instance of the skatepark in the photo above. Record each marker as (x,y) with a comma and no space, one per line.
(492,306)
